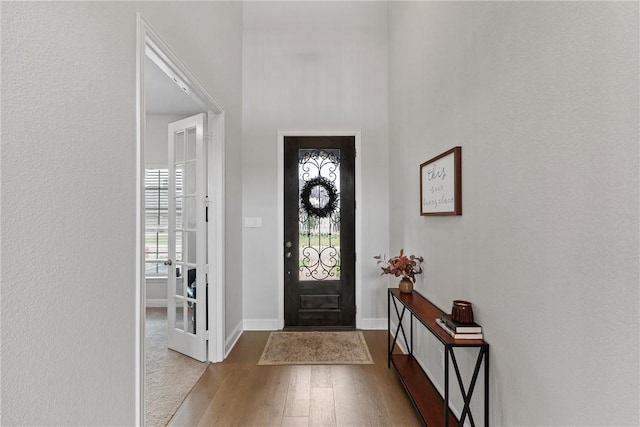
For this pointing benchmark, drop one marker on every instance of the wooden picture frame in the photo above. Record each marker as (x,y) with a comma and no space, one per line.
(441,184)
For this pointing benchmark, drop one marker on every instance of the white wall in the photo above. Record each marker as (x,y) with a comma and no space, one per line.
(68,196)
(310,66)
(543,99)
(68,214)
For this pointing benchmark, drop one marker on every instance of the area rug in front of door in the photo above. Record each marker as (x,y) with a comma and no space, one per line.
(316,348)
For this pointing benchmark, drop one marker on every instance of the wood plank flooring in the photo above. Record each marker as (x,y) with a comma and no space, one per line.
(238,392)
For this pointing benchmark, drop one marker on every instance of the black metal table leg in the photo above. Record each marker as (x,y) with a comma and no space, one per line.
(447,349)
(486,386)
(467,394)
(389,329)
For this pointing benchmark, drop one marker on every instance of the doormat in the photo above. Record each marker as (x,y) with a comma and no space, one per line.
(316,348)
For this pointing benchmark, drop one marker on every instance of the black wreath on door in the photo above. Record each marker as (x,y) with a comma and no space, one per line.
(321,211)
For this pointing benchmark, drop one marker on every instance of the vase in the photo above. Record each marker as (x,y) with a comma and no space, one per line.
(462,312)
(406,285)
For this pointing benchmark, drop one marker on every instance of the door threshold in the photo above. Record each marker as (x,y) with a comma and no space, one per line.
(318,328)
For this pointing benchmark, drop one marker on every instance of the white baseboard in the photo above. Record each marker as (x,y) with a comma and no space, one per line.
(373,324)
(260,324)
(156,303)
(232,339)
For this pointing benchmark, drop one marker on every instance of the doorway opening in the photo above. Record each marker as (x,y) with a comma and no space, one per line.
(156,61)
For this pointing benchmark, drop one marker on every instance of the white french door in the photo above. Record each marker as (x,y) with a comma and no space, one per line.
(187,278)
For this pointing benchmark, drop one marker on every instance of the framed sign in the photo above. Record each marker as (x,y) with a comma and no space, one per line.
(441,184)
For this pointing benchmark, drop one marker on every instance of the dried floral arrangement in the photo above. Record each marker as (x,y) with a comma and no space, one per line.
(402,265)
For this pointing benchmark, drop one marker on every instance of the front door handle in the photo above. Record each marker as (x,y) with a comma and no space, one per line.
(288,255)
(168,262)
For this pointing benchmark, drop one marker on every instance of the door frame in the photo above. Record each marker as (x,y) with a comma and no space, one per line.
(148,38)
(358,188)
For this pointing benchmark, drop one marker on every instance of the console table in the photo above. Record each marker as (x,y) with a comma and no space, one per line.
(430,405)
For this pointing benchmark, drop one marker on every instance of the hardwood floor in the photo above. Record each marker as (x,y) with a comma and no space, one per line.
(238,392)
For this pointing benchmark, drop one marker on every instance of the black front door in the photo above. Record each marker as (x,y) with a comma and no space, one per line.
(319,231)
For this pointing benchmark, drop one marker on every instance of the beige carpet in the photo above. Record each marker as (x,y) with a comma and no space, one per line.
(316,348)
(169,375)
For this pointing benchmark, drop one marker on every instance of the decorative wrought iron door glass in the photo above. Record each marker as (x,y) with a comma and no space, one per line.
(319,214)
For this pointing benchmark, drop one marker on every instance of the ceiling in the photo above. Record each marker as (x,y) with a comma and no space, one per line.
(163,96)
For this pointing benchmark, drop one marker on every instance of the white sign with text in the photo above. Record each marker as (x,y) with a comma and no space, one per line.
(439,186)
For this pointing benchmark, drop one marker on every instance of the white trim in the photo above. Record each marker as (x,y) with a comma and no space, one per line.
(156,280)
(260,324)
(156,166)
(156,302)
(140,266)
(375,324)
(232,339)
(216,123)
(280,200)
(147,37)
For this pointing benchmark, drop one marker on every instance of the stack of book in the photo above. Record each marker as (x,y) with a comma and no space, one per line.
(459,331)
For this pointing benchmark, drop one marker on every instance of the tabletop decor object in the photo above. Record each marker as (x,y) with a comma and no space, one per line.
(403,265)
(462,312)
